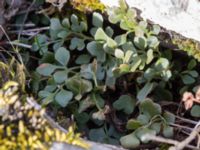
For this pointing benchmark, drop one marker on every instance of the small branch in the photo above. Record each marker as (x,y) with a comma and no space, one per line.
(19,25)
(31,30)
(167,141)
(192,136)
(187,120)
(180,126)
(20,44)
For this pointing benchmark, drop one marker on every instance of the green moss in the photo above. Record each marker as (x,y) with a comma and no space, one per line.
(88,5)
(190,46)
(24,127)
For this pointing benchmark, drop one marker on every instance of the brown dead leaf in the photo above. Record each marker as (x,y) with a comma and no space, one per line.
(188,99)
(197,95)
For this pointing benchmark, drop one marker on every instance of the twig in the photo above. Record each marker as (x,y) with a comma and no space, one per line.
(193,134)
(20,44)
(19,25)
(25,17)
(30,30)
(180,126)
(164,140)
(187,120)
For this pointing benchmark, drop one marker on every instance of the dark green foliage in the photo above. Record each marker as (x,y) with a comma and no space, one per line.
(82,63)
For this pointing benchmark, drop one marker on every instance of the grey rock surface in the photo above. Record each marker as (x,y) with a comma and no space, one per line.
(181,16)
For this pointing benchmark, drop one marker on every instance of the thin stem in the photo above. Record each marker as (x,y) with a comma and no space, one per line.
(187,120)
(181,145)
(164,140)
(95,100)
(25,17)
(31,30)
(19,25)
(20,44)
(180,126)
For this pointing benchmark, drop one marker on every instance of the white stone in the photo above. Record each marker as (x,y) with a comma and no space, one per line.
(181,16)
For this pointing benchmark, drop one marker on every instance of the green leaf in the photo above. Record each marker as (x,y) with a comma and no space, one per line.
(48,99)
(125,25)
(111,43)
(149,108)
(128,46)
(77,43)
(143,93)
(156,127)
(99,115)
(86,71)
(83,26)
(128,56)
(193,73)
(79,86)
(152,42)
(120,39)
(50,88)
(63,34)
(156,29)
(60,76)
(62,56)
(108,49)
(43,94)
(168,131)
(166,75)
(149,56)
(161,93)
(99,100)
(169,117)
(192,64)
(96,49)
(82,118)
(55,24)
(143,119)
(63,97)
(140,42)
(140,134)
(97,19)
(114,14)
(124,68)
(109,31)
(119,53)
(100,35)
(195,111)
(48,57)
(40,44)
(57,45)
(46,69)
(133,124)
(66,22)
(85,104)
(187,79)
(83,59)
(125,103)
(130,141)
(74,19)
(135,63)
(97,135)
(161,64)
(123,5)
